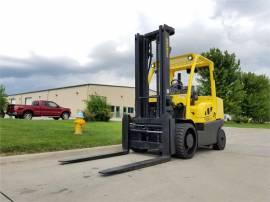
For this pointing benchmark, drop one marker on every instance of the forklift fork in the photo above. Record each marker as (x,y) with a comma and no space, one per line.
(135,166)
(91,158)
(120,169)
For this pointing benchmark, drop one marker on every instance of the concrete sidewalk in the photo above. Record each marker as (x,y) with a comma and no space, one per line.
(239,173)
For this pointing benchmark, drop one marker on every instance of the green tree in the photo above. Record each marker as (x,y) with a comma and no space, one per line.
(256,104)
(3,100)
(227,75)
(97,109)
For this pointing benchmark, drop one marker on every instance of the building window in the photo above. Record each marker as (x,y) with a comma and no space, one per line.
(130,110)
(28,100)
(125,110)
(112,108)
(35,103)
(117,108)
(13,101)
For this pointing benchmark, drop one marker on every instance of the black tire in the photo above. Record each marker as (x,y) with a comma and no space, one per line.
(221,140)
(139,150)
(27,115)
(186,141)
(56,118)
(65,116)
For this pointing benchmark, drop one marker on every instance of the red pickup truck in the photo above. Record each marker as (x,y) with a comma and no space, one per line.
(39,108)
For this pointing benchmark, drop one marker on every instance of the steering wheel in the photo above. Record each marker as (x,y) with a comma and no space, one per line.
(176,83)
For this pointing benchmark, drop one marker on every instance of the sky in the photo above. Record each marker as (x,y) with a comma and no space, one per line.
(54,43)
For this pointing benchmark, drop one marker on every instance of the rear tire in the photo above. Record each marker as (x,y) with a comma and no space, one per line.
(27,115)
(186,141)
(65,116)
(221,140)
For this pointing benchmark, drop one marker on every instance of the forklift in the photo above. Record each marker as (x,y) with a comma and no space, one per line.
(174,121)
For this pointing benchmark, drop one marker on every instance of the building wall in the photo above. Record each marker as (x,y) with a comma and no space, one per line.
(74,97)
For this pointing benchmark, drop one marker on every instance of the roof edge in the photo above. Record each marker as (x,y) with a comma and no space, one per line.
(64,87)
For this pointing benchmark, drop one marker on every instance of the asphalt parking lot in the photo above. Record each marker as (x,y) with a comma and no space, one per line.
(239,173)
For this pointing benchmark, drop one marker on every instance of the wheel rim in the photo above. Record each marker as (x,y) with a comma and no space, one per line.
(27,116)
(189,140)
(190,143)
(65,116)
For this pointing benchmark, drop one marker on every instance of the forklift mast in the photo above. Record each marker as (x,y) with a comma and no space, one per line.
(143,60)
(144,132)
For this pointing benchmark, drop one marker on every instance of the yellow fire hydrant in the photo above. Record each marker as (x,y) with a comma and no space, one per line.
(79,123)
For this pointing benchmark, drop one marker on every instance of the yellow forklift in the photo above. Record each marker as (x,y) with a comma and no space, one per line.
(175,120)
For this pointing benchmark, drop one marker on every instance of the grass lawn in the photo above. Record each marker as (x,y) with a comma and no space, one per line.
(22,136)
(19,136)
(247,125)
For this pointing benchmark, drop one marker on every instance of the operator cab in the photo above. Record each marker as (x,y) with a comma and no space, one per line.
(177,86)
(187,99)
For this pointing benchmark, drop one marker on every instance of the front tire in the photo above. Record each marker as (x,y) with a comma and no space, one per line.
(221,140)
(27,115)
(65,116)
(186,141)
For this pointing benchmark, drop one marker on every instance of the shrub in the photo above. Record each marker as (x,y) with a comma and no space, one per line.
(88,116)
(241,119)
(256,103)
(3,101)
(97,109)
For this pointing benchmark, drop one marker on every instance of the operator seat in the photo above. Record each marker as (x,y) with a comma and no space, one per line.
(176,85)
